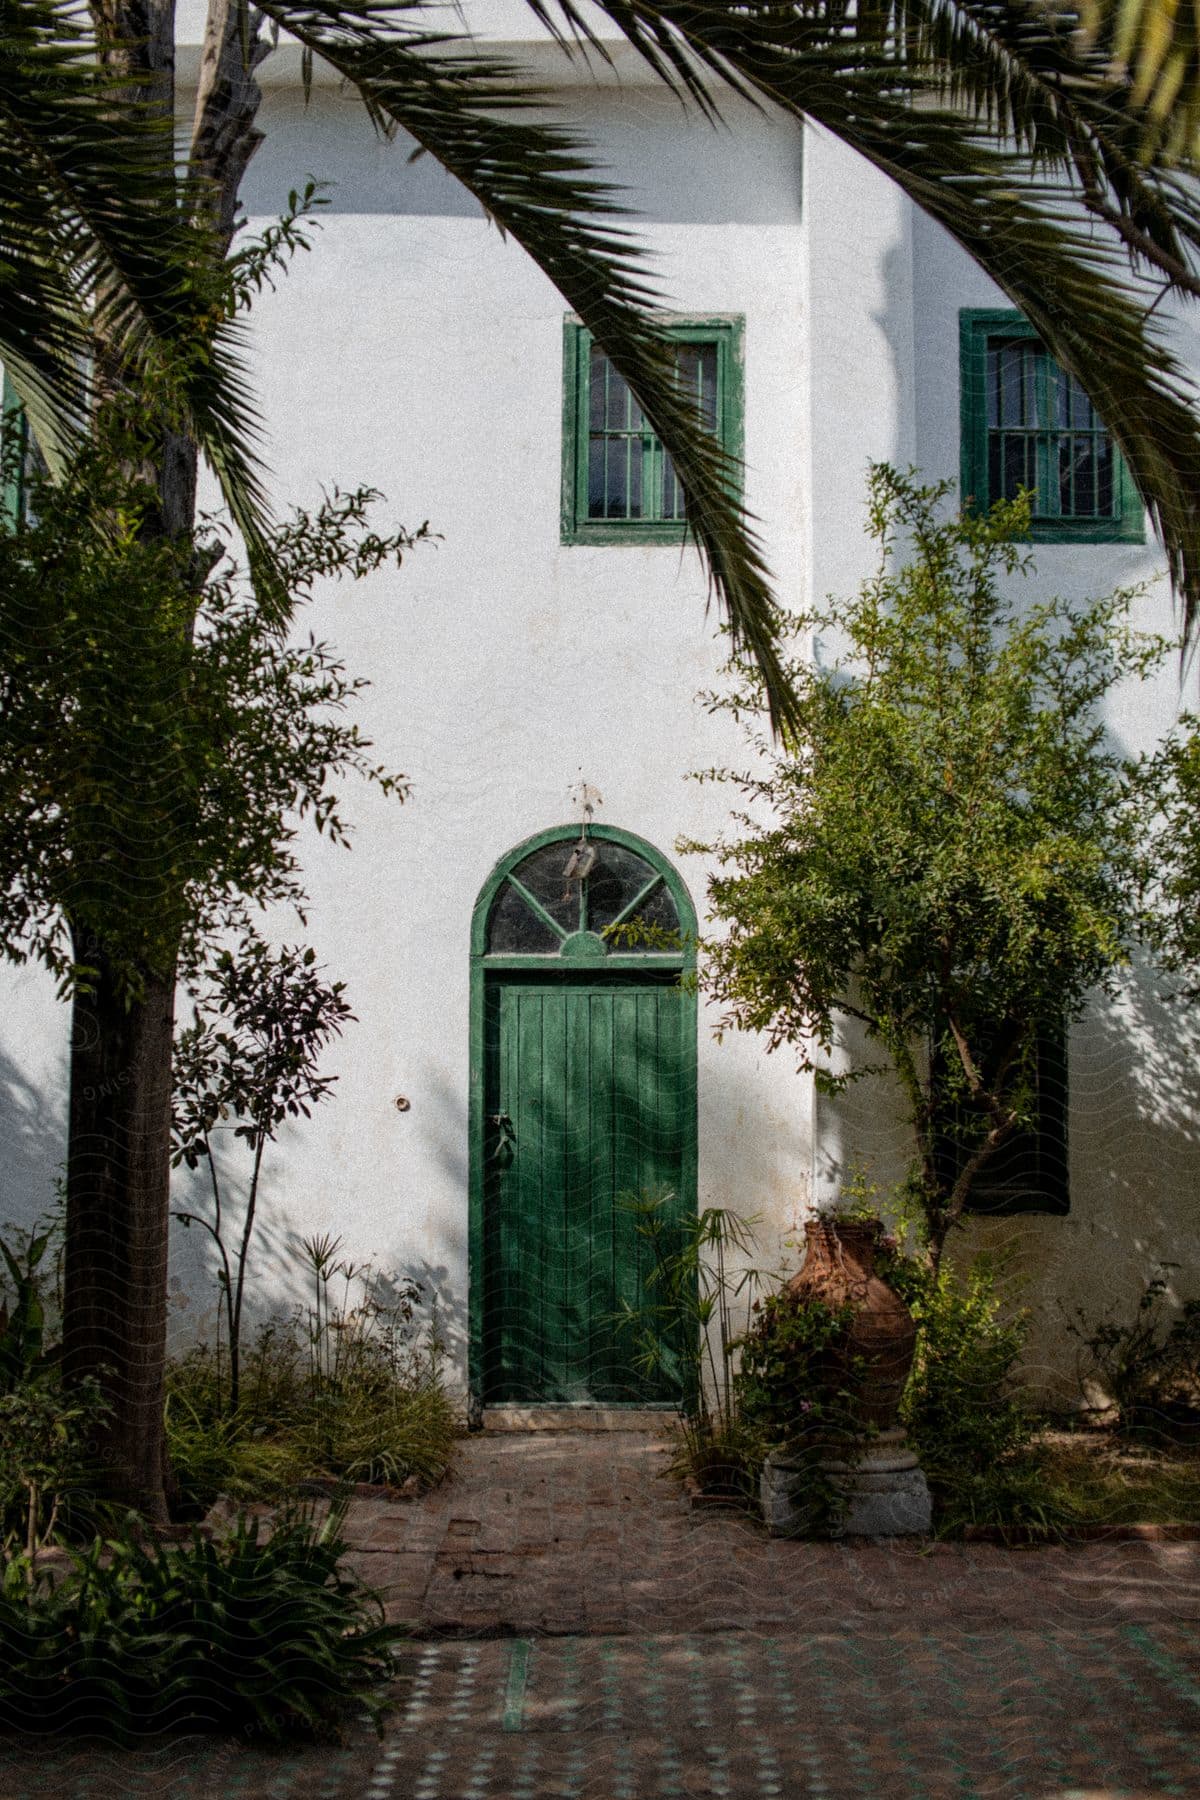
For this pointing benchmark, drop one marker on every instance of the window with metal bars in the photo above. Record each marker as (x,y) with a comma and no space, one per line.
(1029,1173)
(618,482)
(22,461)
(1026,423)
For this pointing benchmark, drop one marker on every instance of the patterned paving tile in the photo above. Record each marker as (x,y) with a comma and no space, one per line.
(1107,1715)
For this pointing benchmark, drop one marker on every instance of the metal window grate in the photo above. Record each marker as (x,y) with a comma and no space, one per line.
(629,476)
(1043,434)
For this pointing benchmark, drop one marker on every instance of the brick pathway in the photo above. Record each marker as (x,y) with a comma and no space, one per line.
(586,1634)
(588,1534)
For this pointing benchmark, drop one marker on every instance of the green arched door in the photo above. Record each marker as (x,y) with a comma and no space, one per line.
(583,1095)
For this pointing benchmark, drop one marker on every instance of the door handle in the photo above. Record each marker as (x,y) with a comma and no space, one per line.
(506,1138)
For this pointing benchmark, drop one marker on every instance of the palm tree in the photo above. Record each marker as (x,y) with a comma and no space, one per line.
(536,183)
(93,241)
(993,118)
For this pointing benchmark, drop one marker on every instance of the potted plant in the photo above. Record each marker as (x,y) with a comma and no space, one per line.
(823,1372)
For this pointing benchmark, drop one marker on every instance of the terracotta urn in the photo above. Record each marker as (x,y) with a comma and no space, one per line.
(872,1361)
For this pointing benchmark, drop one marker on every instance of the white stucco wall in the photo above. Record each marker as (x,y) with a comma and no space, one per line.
(416,351)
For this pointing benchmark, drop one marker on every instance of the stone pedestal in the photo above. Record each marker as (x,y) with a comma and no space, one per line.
(883,1492)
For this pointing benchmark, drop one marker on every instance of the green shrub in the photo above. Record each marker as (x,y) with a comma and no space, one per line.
(963,1408)
(46,1467)
(339,1397)
(22,1312)
(783,1384)
(273,1376)
(262,1636)
(214,1456)
(683,1333)
(380,1432)
(1018,1497)
(248,1455)
(786,1400)
(722,1455)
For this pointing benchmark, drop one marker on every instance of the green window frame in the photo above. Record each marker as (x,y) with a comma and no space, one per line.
(1026,422)
(18,452)
(617,483)
(1031,1172)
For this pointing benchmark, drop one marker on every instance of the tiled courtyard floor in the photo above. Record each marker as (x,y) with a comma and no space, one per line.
(583,1633)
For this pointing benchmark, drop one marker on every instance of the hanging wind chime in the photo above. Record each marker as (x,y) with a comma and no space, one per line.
(582,859)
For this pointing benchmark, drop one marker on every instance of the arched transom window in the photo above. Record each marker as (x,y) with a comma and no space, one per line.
(584,899)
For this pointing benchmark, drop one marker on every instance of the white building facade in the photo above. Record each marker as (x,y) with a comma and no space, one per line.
(510,1073)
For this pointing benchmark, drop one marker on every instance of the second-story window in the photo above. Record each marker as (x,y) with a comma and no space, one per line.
(619,485)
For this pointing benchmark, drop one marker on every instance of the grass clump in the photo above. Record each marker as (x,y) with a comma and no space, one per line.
(346,1388)
(1108,1480)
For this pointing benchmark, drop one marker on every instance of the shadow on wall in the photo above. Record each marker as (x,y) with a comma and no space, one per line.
(446,1292)
(409,1246)
(756,1155)
(863,1129)
(33,1145)
(1134,1128)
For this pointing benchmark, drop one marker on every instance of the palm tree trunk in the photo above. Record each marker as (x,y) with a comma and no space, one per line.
(119,1135)
(118,1170)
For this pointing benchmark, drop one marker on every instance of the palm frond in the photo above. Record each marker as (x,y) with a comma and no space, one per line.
(1156,43)
(96,241)
(1026,71)
(43,331)
(1021,180)
(476,115)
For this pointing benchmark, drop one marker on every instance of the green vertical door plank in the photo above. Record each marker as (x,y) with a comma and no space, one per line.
(577,1198)
(546,1217)
(650,1093)
(530,1274)
(674,1077)
(489,1211)
(626,1156)
(654,1173)
(551,1209)
(603,1340)
(649,1163)
(502,1301)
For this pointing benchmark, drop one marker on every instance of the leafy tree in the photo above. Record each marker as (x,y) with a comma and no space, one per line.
(944,848)
(249,1062)
(1171,864)
(160,748)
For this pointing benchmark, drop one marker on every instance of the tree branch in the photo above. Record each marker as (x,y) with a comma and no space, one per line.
(225,134)
(960,1192)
